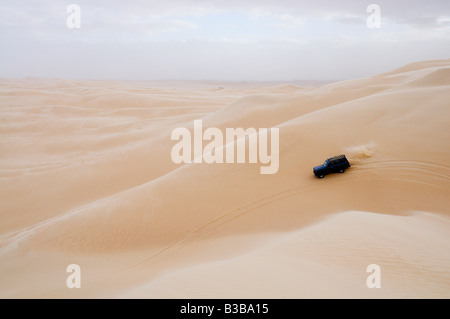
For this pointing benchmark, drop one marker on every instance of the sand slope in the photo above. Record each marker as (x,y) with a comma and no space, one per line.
(87,178)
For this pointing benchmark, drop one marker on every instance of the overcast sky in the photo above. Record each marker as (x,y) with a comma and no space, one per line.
(239,40)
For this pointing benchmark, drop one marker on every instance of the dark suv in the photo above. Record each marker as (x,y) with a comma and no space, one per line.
(332,165)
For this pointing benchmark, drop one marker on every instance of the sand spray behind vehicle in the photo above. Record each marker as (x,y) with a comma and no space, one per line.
(357,154)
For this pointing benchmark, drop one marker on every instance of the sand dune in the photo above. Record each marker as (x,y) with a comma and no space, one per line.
(87,178)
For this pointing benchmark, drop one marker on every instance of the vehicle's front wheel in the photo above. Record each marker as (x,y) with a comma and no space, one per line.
(321,176)
(341,170)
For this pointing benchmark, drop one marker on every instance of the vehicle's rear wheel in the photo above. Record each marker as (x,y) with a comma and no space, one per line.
(321,176)
(341,170)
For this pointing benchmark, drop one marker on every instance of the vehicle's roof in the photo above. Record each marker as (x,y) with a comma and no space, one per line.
(336,157)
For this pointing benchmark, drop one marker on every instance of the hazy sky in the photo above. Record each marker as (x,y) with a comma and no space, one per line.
(219,40)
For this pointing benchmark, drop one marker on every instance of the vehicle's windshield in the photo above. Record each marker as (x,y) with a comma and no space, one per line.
(326,163)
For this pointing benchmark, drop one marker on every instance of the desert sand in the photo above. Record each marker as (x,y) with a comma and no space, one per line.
(86,178)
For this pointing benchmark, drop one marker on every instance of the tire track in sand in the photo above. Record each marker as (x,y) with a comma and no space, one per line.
(206,228)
